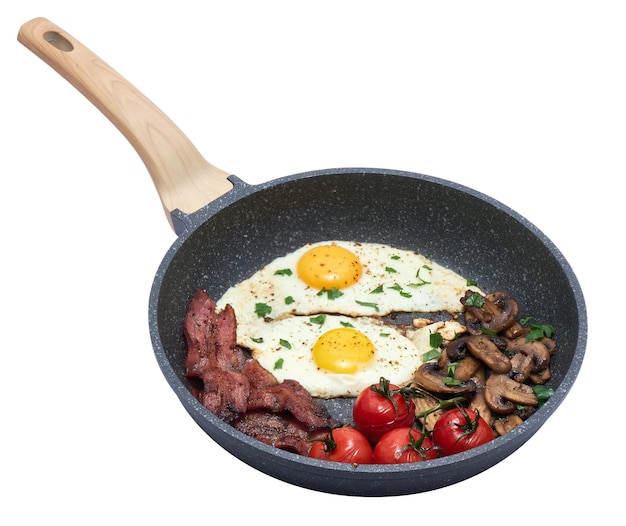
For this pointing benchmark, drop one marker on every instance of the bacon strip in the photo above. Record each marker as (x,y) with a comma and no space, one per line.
(237,389)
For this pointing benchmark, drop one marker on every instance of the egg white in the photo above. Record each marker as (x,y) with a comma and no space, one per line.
(285,348)
(393,280)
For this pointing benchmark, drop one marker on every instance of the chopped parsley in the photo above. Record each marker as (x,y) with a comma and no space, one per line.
(537,332)
(285,344)
(347,324)
(401,291)
(543,393)
(368,304)
(433,354)
(262,309)
(256,340)
(332,294)
(319,319)
(283,272)
(448,380)
(278,364)
(391,270)
(377,290)
(475,300)
(421,281)
(436,341)
(289,300)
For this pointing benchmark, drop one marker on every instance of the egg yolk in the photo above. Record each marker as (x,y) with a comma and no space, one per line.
(329,266)
(343,350)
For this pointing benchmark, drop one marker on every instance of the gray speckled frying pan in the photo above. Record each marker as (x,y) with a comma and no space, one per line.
(227,229)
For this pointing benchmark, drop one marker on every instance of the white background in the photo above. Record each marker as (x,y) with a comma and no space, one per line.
(522,101)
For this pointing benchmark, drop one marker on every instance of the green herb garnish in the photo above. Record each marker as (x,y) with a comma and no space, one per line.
(368,304)
(332,294)
(537,332)
(262,309)
(475,300)
(319,319)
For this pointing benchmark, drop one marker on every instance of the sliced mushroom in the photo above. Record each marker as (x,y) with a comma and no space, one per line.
(498,312)
(425,404)
(525,411)
(541,377)
(456,350)
(487,352)
(536,350)
(515,331)
(506,424)
(467,368)
(431,377)
(521,367)
(477,402)
(550,344)
(502,394)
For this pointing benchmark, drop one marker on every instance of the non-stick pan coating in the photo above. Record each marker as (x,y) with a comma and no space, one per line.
(474,235)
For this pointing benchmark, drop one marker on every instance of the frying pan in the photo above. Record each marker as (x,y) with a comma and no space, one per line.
(226,229)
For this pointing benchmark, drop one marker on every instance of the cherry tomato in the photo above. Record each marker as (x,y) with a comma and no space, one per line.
(403,445)
(460,429)
(343,444)
(381,407)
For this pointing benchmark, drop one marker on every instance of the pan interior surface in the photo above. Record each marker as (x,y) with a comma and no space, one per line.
(473,235)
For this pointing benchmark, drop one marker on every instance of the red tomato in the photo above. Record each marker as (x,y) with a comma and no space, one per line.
(344,444)
(382,407)
(460,429)
(403,445)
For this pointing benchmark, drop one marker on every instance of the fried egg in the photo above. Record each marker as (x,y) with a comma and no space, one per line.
(315,315)
(339,356)
(349,278)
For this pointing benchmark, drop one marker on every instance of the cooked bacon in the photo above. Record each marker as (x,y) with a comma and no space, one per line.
(225,392)
(290,396)
(228,355)
(260,378)
(198,330)
(211,336)
(238,389)
(275,429)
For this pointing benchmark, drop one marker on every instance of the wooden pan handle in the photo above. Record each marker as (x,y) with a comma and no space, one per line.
(183,178)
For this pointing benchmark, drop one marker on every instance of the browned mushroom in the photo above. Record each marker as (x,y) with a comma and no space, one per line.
(487,352)
(496,311)
(506,424)
(521,367)
(540,377)
(477,402)
(503,393)
(467,368)
(550,344)
(425,405)
(536,350)
(433,378)
(515,331)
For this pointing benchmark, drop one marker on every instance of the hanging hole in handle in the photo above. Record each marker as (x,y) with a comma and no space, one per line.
(58,41)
